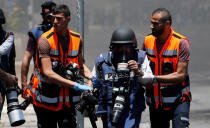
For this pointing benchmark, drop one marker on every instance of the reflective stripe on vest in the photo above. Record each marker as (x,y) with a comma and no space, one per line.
(149,100)
(167,99)
(49,100)
(73,53)
(170,53)
(54,53)
(150,52)
(54,102)
(162,64)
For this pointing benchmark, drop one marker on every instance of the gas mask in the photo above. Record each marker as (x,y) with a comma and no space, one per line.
(123,46)
(121,55)
(47,20)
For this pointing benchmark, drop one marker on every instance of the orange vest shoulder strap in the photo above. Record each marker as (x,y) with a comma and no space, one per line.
(75,34)
(177,35)
(48,34)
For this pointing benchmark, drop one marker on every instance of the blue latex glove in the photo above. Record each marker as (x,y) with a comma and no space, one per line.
(80,87)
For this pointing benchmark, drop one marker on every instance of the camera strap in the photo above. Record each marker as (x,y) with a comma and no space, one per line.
(113,68)
(113,75)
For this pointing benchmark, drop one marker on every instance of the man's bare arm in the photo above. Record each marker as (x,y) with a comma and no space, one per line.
(176,77)
(84,70)
(52,76)
(9,79)
(25,67)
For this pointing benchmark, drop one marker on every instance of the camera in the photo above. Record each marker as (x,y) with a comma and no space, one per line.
(122,67)
(25,103)
(87,100)
(72,72)
(118,108)
(120,92)
(14,110)
(88,103)
(119,103)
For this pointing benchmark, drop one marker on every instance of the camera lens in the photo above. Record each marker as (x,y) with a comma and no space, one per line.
(25,103)
(14,111)
(122,67)
(118,108)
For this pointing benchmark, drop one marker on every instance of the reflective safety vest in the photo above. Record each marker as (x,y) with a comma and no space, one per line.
(46,94)
(164,95)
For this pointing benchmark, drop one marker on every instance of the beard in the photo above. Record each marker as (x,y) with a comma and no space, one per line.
(157,33)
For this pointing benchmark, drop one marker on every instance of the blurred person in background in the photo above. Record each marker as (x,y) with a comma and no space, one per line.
(34,35)
(168,89)
(7,60)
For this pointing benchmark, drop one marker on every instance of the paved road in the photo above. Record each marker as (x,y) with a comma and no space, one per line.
(30,118)
(200,112)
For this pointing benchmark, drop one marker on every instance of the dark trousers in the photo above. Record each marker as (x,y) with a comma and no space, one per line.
(2,102)
(128,119)
(64,118)
(179,116)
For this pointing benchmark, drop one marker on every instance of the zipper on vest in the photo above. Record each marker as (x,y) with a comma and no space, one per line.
(160,103)
(64,96)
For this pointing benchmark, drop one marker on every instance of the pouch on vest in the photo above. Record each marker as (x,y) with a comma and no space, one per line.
(48,94)
(105,99)
(167,68)
(172,95)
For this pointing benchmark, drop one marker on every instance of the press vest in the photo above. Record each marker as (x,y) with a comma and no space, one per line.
(46,94)
(135,102)
(164,95)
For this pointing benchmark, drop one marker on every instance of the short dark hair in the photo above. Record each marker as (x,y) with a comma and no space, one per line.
(47,5)
(62,9)
(2,17)
(165,14)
